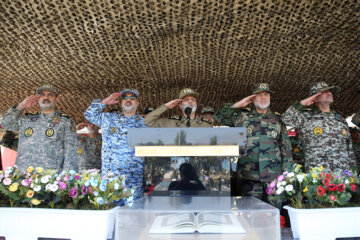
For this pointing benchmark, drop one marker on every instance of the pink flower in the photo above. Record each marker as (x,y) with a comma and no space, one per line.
(77,177)
(280,178)
(25,182)
(332,198)
(84,189)
(66,178)
(74,192)
(270,190)
(62,185)
(272,184)
(7,181)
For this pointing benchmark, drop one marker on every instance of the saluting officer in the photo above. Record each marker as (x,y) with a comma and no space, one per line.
(46,139)
(268,151)
(187,100)
(325,132)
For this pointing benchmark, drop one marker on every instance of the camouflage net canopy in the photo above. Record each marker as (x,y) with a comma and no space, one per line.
(91,48)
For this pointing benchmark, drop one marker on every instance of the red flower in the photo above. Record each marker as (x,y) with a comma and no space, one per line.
(353,187)
(332,187)
(341,187)
(322,174)
(320,191)
(332,198)
(326,181)
(329,176)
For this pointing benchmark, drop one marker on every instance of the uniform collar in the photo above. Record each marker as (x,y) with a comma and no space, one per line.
(55,113)
(196,119)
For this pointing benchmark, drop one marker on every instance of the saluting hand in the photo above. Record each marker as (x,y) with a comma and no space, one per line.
(112,99)
(173,103)
(28,102)
(244,102)
(310,100)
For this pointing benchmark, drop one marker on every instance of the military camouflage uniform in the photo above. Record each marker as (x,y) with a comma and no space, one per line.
(89,152)
(117,156)
(153,120)
(268,151)
(46,141)
(325,136)
(356,119)
(297,150)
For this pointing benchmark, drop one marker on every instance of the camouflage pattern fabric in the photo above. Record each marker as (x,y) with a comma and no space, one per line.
(356,147)
(89,152)
(153,120)
(325,137)
(268,151)
(356,119)
(297,150)
(116,156)
(46,141)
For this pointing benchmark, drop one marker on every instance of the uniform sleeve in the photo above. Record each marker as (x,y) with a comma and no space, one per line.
(93,113)
(71,160)
(356,119)
(286,149)
(352,158)
(11,120)
(153,118)
(225,115)
(293,116)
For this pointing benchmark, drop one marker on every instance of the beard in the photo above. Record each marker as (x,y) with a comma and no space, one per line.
(262,106)
(128,107)
(45,105)
(192,106)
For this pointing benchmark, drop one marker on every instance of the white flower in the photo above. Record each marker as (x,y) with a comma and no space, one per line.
(300,177)
(346,181)
(290,175)
(280,190)
(37,180)
(47,187)
(283,183)
(54,187)
(32,185)
(278,184)
(289,188)
(45,179)
(37,188)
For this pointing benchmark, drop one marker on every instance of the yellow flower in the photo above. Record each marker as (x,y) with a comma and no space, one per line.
(30,193)
(314,176)
(305,189)
(35,201)
(39,169)
(322,168)
(14,187)
(30,169)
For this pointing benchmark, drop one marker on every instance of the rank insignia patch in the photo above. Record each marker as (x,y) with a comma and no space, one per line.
(318,131)
(344,132)
(49,132)
(28,132)
(274,134)
(249,130)
(80,151)
(113,130)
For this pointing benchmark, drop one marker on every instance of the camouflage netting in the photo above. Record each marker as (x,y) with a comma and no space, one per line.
(89,49)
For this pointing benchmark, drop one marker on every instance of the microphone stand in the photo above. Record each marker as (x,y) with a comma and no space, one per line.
(187,111)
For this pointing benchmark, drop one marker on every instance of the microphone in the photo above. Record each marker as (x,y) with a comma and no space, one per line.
(188,111)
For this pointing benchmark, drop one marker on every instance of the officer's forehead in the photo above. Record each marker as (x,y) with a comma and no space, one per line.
(129,94)
(189,98)
(47,93)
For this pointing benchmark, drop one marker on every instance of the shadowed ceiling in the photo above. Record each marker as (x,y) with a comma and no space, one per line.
(90,49)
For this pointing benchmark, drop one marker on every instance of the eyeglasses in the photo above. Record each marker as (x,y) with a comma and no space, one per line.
(129,97)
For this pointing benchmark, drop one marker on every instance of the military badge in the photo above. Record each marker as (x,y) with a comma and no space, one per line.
(50,132)
(318,131)
(80,151)
(33,119)
(274,134)
(344,132)
(249,131)
(187,90)
(51,125)
(28,132)
(323,84)
(296,149)
(113,130)
(263,86)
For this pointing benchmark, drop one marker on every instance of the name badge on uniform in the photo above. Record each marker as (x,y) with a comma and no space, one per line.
(50,132)
(28,132)
(344,132)
(274,134)
(318,131)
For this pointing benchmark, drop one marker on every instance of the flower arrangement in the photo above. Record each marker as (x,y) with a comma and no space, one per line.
(316,188)
(68,189)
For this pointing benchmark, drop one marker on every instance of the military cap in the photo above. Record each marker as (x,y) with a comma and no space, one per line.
(261,87)
(148,110)
(188,92)
(47,87)
(130,90)
(321,87)
(207,109)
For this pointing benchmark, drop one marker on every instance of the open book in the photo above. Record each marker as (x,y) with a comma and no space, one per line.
(201,222)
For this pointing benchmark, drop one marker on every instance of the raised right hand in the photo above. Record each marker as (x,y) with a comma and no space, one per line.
(173,103)
(112,99)
(28,102)
(310,100)
(244,102)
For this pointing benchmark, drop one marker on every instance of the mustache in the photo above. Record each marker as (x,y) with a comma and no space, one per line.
(46,101)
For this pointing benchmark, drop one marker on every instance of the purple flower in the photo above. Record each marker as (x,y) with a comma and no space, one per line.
(84,189)
(346,172)
(74,192)
(272,184)
(270,190)
(25,182)
(62,185)
(280,178)
(77,177)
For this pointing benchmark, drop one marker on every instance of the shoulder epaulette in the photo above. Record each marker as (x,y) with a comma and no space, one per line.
(64,115)
(278,114)
(175,117)
(246,109)
(31,114)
